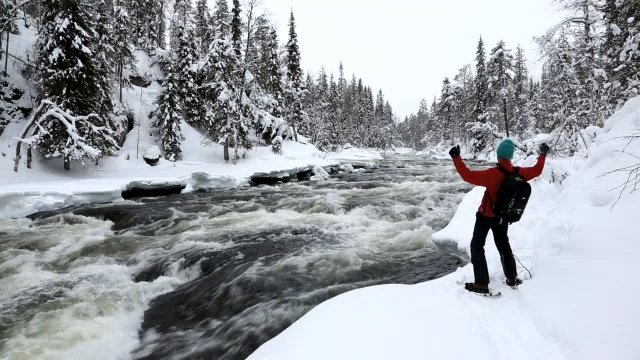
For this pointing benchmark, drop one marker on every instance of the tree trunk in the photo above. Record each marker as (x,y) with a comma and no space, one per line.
(6,57)
(295,132)
(506,121)
(67,163)
(29,157)
(24,134)
(226,150)
(120,79)
(18,147)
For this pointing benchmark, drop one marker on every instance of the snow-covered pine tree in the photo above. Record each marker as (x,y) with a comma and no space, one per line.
(185,55)
(159,18)
(481,83)
(103,53)
(334,119)
(621,48)
(521,92)
(309,108)
(223,119)
(465,100)
(370,127)
(294,90)
(272,75)
(70,123)
(322,97)
(142,14)
(423,117)
(575,46)
(7,19)
(388,136)
(167,117)
(203,28)
(259,37)
(221,20)
(7,25)
(236,28)
(532,110)
(500,84)
(446,112)
(180,21)
(122,48)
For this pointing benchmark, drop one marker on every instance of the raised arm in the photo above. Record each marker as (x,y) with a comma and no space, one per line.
(529,173)
(475,177)
(534,171)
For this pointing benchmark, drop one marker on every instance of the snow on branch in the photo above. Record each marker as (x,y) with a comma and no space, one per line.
(632,181)
(77,144)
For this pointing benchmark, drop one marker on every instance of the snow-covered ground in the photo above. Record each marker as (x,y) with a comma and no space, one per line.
(580,304)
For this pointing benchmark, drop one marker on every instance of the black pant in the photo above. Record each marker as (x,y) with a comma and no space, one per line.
(480,231)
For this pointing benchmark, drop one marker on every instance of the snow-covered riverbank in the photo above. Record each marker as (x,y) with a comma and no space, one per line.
(580,304)
(47,186)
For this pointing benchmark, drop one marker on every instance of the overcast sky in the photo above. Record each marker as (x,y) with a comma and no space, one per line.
(407,47)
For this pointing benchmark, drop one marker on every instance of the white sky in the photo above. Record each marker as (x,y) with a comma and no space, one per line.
(407,47)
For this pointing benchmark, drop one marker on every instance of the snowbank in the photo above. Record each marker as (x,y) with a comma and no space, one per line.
(580,304)
(46,186)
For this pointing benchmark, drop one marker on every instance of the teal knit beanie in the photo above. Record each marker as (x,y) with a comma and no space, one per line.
(505,149)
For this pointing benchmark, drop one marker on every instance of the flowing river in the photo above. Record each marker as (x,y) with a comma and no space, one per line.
(215,275)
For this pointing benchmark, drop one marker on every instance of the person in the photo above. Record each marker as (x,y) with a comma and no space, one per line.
(491,179)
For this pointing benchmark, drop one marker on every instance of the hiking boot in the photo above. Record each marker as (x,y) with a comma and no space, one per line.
(473,287)
(514,282)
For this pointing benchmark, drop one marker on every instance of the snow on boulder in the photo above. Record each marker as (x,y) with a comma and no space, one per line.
(204,181)
(348,168)
(319,173)
(152,155)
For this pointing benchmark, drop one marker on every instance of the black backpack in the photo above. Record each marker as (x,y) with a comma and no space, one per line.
(512,198)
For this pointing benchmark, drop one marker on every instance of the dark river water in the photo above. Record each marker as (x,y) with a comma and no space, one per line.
(215,275)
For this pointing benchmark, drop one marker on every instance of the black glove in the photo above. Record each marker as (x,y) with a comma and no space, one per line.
(455,152)
(544,149)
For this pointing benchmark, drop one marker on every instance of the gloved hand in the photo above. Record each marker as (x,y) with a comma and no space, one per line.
(455,151)
(544,149)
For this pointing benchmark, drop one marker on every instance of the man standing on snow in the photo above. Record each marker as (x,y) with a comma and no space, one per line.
(491,179)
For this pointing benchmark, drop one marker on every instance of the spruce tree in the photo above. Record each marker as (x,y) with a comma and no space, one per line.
(521,91)
(272,80)
(481,82)
(221,20)
(123,51)
(224,121)
(154,19)
(161,25)
(71,119)
(144,24)
(445,112)
(167,117)
(500,81)
(621,49)
(294,89)
(333,114)
(236,28)
(103,54)
(203,29)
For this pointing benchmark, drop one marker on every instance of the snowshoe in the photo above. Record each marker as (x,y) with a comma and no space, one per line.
(513,283)
(480,291)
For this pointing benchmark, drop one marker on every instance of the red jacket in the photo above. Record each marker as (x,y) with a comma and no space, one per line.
(492,178)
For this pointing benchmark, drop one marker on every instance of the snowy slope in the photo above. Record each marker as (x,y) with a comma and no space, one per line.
(580,304)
